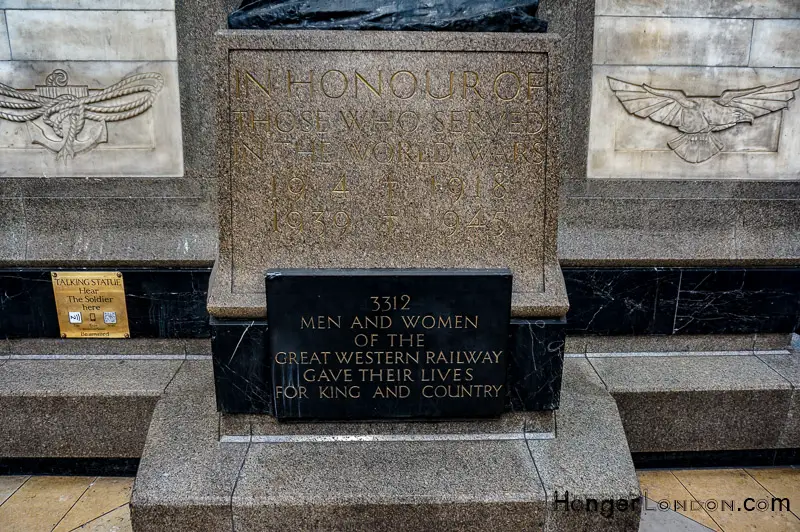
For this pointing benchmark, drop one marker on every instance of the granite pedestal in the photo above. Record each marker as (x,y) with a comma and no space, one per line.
(202,470)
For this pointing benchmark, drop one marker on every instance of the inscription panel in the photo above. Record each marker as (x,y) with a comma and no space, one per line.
(387,159)
(368,344)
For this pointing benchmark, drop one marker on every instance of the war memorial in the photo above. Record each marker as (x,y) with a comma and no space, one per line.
(374,265)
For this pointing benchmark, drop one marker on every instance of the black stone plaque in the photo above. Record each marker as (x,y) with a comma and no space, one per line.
(376,344)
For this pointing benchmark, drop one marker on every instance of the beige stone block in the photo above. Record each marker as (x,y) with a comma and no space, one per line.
(781,482)
(671,41)
(81,35)
(124,5)
(776,43)
(104,495)
(41,503)
(9,485)
(5,50)
(623,145)
(149,144)
(706,8)
(118,520)
(736,485)
(663,486)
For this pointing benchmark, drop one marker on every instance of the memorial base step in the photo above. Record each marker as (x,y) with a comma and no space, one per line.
(704,401)
(71,399)
(204,471)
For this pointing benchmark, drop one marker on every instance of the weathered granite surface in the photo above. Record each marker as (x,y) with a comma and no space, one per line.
(447,485)
(79,408)
(588,459)
(186,477)
(411,184)
(788,366)
(272,476)
(261,428)
(656,344)
(76,222)
(693,403)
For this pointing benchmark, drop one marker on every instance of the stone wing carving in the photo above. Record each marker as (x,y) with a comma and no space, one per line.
(698,118)
(69,119)
(660,105)
(762,100)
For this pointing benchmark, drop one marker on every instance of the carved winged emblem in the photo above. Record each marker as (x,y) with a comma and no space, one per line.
(69,119)
(699,118)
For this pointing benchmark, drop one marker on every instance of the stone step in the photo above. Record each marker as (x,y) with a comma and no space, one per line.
(74,399)
(504,474)
(705,401)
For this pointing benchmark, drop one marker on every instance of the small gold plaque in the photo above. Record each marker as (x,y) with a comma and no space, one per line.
(91,304)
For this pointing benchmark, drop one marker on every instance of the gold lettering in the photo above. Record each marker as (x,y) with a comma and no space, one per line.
(498,80)
(428,86)
(366,83)
(536,80)
(473,85)
(343,78)
(250,79)
(413,80)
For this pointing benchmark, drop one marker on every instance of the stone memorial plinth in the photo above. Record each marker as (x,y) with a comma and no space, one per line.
(387,307)
(390,150)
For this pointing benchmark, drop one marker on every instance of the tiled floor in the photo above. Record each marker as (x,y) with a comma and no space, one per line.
(62,504)
(100,504)
(717,498)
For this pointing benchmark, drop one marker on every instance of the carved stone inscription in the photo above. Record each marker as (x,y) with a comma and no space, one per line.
(387,159)
(388,343)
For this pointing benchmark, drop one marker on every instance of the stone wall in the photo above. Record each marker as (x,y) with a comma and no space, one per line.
(95,45)
(701,50)
(91,148)
(631,199)
(736,208)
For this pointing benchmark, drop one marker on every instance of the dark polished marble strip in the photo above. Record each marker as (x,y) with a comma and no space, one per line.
(667,301)
(171,303)
(242,371)
(162,303)
(738,301)
(80,467)
(742,458)
(621,301)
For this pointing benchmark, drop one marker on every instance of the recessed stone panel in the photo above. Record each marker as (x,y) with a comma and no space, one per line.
(112,141)
(775,43)
(82,35)
(124,5)
(5,50)
(636,130)
(671,41)
(693,8)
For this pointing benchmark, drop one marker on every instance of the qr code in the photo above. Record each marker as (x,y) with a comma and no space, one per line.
(109,317)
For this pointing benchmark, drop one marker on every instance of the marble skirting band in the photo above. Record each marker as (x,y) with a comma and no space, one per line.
(618,301)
